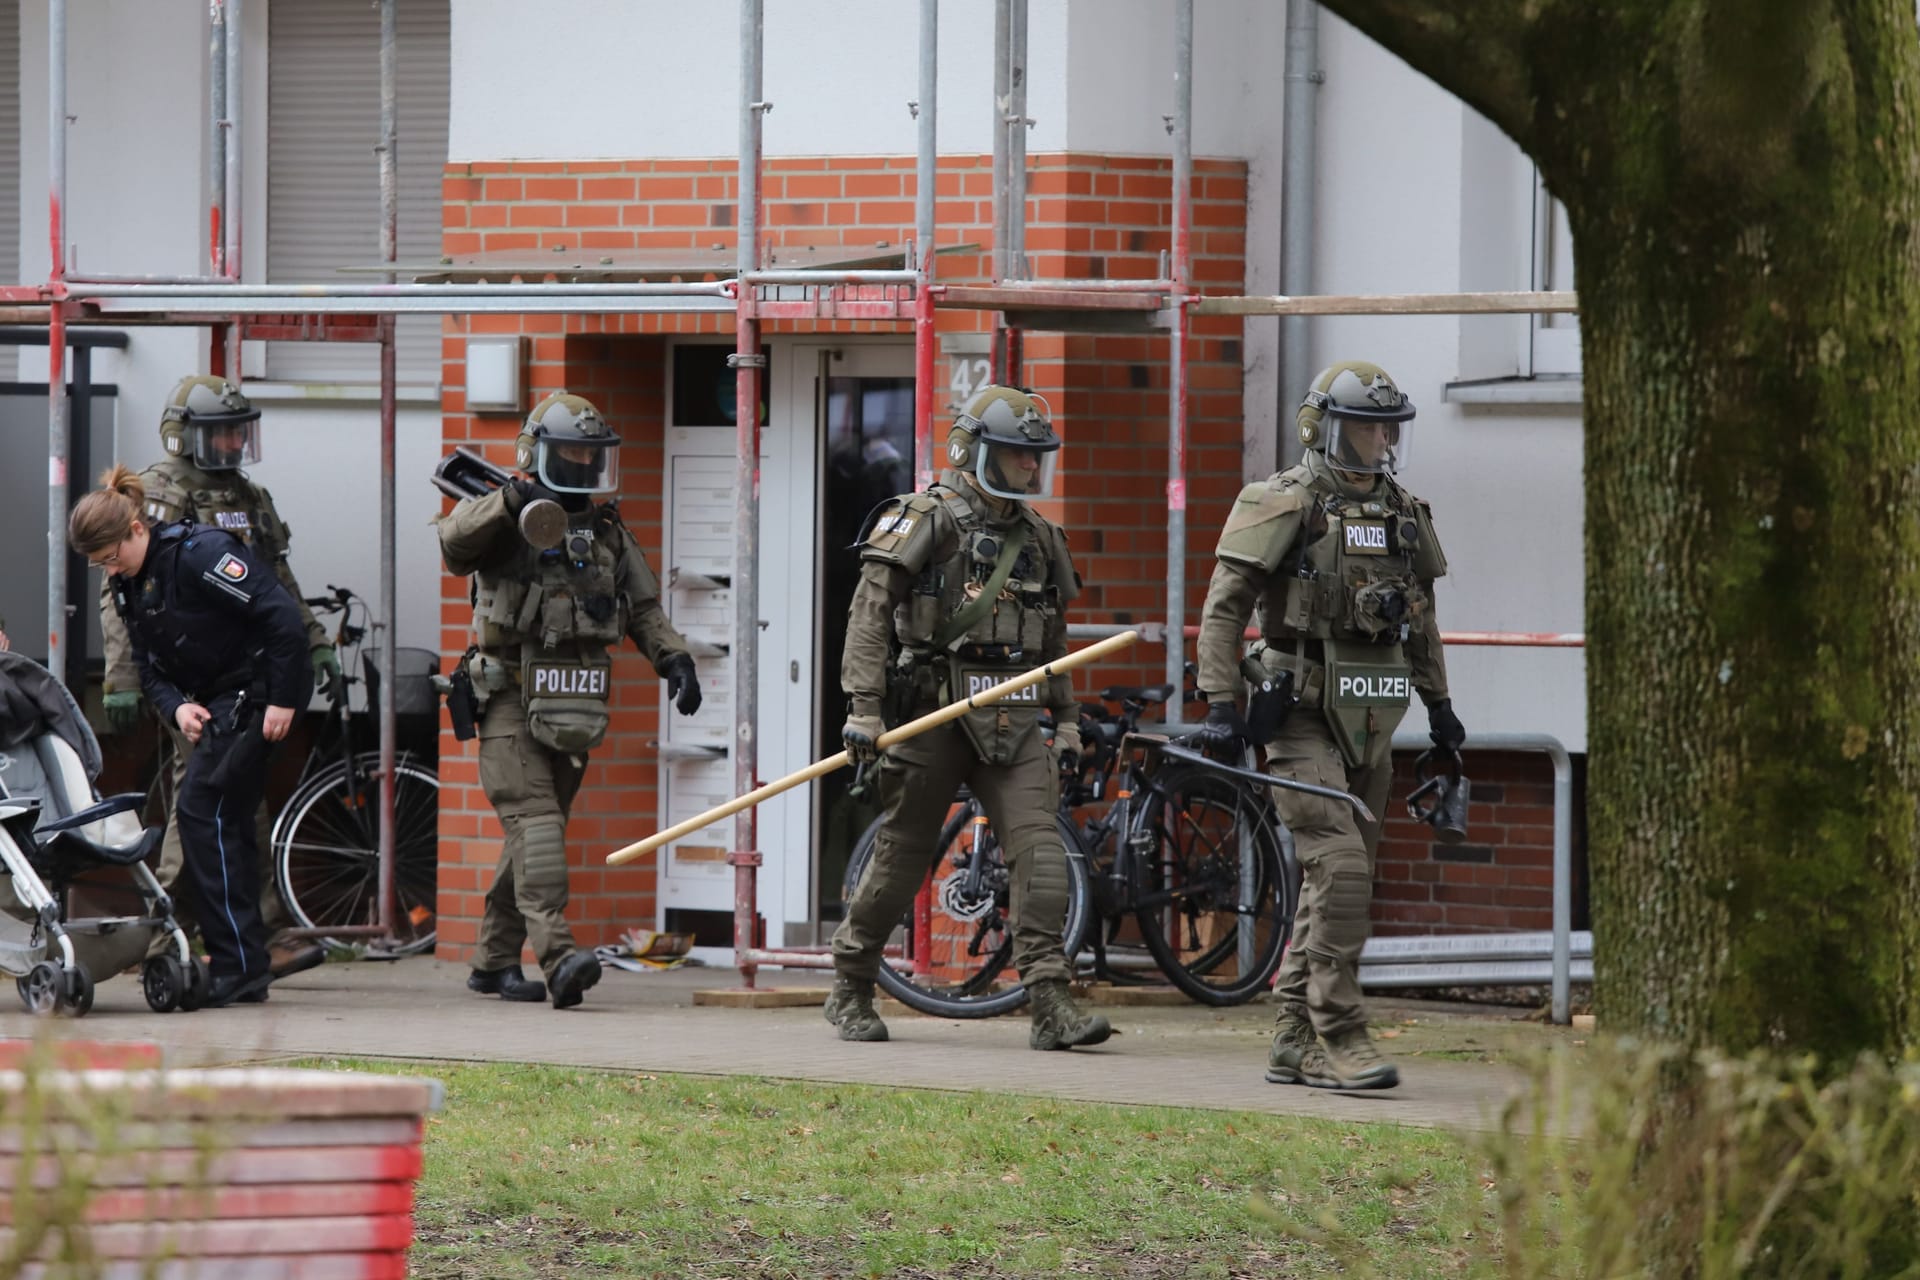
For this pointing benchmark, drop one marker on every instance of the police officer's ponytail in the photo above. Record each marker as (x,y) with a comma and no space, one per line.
(105,517)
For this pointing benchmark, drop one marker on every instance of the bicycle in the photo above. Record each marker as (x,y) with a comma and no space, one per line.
(326,838)
(1203,873)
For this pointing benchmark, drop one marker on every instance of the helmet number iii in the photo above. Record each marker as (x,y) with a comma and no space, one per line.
(210,423)
(569,447)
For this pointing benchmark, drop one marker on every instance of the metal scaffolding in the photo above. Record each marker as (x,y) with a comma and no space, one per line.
(754,293)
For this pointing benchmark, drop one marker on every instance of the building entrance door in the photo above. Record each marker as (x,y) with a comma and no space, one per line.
(862,400)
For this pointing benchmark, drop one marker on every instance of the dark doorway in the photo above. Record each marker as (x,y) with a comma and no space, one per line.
(867,438)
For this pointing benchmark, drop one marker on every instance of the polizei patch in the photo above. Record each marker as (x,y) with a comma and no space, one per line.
(978,683)
(232,568)
(1366,537)
(233,521)
(1361,688)
(552,681)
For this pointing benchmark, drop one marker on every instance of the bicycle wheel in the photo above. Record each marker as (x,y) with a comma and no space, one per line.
(1215,896)
(326,845)
(966,971)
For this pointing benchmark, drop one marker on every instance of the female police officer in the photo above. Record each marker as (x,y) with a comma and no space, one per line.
(222,654)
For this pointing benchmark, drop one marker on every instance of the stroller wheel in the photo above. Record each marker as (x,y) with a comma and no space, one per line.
(163,979)
(77,992)
(194,993)
(41,988)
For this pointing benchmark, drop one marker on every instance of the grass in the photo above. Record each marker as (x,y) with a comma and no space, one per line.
(550,1172)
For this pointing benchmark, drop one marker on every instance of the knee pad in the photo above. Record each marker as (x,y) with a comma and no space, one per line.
(1040,885)
(1340,928)
(543,854)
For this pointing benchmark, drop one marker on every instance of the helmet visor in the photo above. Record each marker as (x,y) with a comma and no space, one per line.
(579,466)
(1010,471)
(225,443)
(1366,445)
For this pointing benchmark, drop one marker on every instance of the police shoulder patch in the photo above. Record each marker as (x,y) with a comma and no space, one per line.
(232,568)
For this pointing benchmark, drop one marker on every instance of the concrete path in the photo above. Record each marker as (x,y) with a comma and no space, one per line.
(1182,1055)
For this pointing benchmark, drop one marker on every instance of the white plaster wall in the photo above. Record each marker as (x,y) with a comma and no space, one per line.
(136,85)
(623,78)
(1505,483)
(660,79)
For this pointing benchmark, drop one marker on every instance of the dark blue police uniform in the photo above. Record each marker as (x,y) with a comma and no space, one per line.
(210,623)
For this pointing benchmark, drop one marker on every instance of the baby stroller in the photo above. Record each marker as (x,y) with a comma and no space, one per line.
(57,838)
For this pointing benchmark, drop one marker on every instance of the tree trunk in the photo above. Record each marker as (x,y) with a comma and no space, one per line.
(1743,179)
(1744,214)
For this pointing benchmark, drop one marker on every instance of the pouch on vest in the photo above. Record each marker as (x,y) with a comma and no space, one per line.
(566,700)
(998,729)
(1365,698)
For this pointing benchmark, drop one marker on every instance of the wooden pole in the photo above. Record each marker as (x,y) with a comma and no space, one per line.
(820,768)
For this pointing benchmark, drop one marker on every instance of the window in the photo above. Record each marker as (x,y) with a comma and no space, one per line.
(1514,237)
(1555,339)
(323,175)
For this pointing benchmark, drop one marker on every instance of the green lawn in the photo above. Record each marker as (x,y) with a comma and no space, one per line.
(550,1172)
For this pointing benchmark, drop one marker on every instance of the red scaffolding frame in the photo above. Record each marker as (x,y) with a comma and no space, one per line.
(909,296)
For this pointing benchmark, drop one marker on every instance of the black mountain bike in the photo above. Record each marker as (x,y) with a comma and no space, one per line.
(1188,863)
(326,839)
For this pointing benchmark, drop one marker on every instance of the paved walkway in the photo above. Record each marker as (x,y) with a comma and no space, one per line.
(1181,1055)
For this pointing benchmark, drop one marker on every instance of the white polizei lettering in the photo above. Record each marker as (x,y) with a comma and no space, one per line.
(980,684)
(1375,688)
(1367,537)
(570,681)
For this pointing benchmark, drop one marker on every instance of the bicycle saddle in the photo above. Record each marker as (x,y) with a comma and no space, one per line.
(1137,693)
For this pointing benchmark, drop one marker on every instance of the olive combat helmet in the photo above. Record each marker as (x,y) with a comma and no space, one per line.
(568,446)
(991,435)
(208,422)
(1356,415)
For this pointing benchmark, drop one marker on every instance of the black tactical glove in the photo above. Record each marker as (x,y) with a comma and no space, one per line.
(683,684)
(1444,727)
(1223,732)
(861,734)
(525,491)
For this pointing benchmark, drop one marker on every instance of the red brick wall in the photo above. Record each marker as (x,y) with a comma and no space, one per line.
(1096,215)
(1500,879)
(1089,215)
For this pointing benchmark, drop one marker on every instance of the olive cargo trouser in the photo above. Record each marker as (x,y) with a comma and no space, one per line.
(918,780)
(1321,971)
(531,788)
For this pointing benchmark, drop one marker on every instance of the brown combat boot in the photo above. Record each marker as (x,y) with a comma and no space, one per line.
(1350,1061)
(1293,1042)
(850,1008)
(1057,1020)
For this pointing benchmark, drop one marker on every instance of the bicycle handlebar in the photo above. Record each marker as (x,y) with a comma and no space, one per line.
(1165,745)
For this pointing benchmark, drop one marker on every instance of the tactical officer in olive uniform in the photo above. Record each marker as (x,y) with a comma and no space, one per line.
(210,431)
(1340,562)
(960,588)
(543,620)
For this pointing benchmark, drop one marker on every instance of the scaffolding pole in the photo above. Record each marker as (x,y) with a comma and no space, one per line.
(235,111)
(926,182)
(389,592)
(57,442)
(1178,395)
(748,363)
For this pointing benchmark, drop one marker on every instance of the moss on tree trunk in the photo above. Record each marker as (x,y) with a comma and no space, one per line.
(1743,179)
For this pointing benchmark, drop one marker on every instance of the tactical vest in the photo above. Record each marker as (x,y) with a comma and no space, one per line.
(228,500)
(544,621)
(1354,581)
(1005,638)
